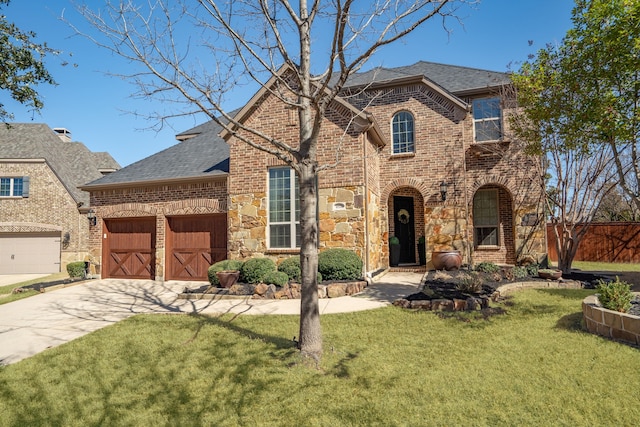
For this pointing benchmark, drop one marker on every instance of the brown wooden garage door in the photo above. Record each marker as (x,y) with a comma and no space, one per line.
(193,244)
(129,248)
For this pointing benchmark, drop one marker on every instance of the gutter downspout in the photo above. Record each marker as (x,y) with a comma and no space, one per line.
(366,207)
(466,199)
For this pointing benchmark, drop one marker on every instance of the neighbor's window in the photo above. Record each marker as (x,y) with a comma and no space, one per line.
(403,133)
(284,211)
(486,217)
(487,119)
(11,187)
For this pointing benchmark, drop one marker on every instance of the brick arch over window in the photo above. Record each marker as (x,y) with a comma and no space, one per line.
(128,210)
(501,181)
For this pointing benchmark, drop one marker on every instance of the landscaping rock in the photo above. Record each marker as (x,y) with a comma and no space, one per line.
(261,289)
(421,304)
(336,290)
(404,303)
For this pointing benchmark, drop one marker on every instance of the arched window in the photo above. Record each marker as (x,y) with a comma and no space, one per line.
(402,129)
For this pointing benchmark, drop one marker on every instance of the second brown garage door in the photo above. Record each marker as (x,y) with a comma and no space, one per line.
(193,244)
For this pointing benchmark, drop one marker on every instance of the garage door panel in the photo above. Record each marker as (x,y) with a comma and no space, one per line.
(193,244)
(130,248)
(30,253)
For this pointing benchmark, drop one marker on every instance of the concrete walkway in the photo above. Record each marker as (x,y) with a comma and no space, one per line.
(34,324)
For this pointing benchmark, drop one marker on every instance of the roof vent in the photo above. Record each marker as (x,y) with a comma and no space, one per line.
(63,134)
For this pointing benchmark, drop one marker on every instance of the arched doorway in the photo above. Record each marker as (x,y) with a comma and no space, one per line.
(406,221)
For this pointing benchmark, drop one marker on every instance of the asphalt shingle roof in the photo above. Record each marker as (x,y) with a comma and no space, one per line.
(205,154)
(453,78)
(72,162)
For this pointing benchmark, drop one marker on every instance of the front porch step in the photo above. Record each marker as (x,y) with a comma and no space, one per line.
(409,268)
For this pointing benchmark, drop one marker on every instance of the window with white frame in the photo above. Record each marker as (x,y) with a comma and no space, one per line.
(486,217)
(12,187)
(487,119)
(284,210)
(402,130)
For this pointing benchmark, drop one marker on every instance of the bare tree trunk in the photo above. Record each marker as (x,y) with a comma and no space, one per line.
(310,331)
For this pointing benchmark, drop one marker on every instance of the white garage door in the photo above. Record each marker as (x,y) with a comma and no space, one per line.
(29,253)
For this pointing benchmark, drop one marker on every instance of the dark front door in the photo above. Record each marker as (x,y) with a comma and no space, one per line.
(404,228)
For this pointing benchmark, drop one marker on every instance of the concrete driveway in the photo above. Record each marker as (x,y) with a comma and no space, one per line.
(34,324)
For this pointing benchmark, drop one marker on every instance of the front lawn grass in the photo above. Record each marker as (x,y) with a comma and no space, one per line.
(388,367)
(605,266)
(7,296)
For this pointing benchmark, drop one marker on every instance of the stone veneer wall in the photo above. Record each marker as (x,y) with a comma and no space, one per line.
(49,208)
(341,223)
(609,323)
(159,201)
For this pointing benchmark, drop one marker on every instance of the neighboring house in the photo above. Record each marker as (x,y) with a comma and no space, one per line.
(43,213)
(399,138)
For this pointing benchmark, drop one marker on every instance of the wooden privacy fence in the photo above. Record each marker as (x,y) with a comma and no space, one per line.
(604,242)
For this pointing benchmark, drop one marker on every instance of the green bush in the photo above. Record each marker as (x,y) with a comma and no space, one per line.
(532,269)
(277,278)
(520,272)
(470,283)
(76,269)
(339,264)
(393,240)
(291,266)
(615,295)
(227,264)
(254,270)
(488,267)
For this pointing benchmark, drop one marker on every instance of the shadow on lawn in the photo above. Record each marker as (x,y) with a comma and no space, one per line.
(571,322)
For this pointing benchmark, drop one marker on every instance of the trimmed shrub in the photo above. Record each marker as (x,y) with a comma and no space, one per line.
(291,266)
(532,269)
(227,264)
(339,264)
(520,272)
(76,269)
(470,283)
(488,267)
(615,295)
(254,270)
(277,278)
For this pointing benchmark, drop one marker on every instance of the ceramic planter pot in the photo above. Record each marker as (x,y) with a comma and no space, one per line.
(228,278)
(395,255)
(446,260)
(550,274)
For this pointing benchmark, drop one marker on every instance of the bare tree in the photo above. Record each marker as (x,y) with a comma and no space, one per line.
(578,183)
(307,50)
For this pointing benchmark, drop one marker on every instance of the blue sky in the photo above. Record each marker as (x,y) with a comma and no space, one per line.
(95,107)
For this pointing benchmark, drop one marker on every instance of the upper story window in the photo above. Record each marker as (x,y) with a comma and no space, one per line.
(14,187)
(284,209)
(403,133)
(487,119)
(486,217)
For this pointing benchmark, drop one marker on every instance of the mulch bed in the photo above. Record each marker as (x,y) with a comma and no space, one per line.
(41,287)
